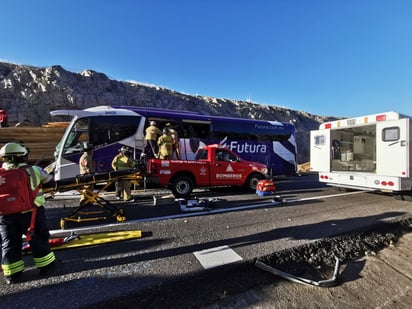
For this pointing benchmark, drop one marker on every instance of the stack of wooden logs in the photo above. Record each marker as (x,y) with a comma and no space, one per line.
(304,168)
(41,141)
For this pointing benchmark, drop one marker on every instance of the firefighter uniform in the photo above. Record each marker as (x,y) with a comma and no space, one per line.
(165,143)
(175,136)
(87,166)
(13,226)
(123,162)
(152,134)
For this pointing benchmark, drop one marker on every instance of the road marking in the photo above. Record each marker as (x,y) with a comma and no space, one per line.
(206,212)
(218,256)
(330,195)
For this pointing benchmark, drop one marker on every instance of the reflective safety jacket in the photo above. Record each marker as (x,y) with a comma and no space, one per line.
(165,143)
(122,162)
(152,133)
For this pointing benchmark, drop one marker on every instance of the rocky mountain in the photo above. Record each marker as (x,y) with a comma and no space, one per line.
(30,93)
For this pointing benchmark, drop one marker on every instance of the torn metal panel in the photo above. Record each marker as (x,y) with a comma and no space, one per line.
(322,283)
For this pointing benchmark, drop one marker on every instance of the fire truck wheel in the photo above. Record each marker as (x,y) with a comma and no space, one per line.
(252,181)
(182,186)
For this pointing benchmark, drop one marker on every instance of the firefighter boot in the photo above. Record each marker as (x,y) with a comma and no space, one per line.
(13,278)
(47,270)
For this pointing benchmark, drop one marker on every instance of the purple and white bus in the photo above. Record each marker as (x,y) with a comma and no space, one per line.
(108,128)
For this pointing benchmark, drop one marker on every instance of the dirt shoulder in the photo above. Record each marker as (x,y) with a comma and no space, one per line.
(377,280)
(375,272)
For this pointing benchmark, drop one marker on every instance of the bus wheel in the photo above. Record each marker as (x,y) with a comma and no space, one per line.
(182,186)
(252,181)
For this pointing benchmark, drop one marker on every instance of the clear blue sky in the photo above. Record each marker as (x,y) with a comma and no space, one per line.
(325,57)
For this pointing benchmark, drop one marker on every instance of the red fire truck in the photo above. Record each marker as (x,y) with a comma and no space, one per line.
(214,165)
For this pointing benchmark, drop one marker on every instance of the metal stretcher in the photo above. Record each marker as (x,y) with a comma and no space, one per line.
(84,185)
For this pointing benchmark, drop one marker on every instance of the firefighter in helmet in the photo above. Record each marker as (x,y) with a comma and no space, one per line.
(165,143)
(151,137)
(13,226)
(121,162)
(175,136)
(87,166)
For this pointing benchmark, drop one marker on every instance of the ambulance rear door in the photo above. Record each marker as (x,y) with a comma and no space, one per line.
(392,148)
(320,150)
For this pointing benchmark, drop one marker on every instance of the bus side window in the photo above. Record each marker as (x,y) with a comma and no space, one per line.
(110,129)
(197,130)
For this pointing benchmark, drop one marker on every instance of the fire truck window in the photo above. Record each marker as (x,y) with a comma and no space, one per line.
(390,134)
(231,157)
(201,154)
(220,156)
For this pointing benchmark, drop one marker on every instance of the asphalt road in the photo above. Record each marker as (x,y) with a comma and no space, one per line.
(241,227)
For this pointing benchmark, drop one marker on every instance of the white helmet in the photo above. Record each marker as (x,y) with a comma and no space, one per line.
(13,149)
(87,147)
(152,123)
(14,153)
(125,150)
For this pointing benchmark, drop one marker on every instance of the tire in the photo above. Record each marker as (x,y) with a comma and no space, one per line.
(252,181)
(347,190)
(182,186)
(404,196)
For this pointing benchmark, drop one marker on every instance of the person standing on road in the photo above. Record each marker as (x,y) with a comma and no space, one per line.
(121,162)
(152,134)
(87,166)
(165,143)
(13,226)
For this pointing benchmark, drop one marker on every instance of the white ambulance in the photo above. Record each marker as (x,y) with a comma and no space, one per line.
(368,153)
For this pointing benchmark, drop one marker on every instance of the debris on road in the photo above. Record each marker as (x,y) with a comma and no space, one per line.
(321,283)
(197,204)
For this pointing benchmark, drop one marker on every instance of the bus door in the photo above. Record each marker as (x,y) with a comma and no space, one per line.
(320,150)
(392,148)
(225,170)
(194,134)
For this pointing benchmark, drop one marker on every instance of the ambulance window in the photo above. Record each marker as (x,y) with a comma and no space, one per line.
(390,134)
(320,140)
